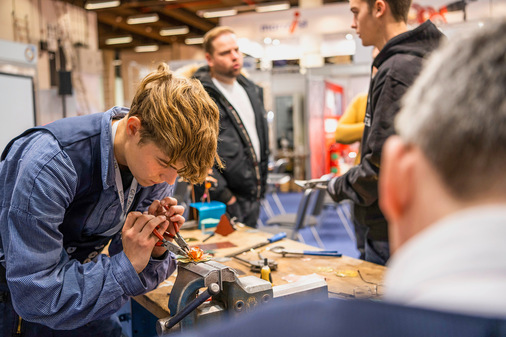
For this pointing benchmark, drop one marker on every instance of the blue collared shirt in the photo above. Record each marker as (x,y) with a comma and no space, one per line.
(37,182)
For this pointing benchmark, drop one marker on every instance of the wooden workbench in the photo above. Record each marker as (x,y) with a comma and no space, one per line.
(340,273)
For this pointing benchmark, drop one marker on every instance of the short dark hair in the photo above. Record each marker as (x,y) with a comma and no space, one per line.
(399,8)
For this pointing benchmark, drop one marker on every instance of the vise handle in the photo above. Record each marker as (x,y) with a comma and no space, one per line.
(165,324)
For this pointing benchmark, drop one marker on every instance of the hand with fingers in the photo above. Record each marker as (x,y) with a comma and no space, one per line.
(173,213)
(138,238)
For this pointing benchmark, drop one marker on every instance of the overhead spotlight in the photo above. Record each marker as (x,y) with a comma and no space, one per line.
(118,40)
(217,13)
(146,48)
(142,18)
(180,30)
(194,40)
(90,5)
(273,6)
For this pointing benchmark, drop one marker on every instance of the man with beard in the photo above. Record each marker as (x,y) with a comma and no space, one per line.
(243,139)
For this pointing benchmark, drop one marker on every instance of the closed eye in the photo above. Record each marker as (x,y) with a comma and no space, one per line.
(163,163)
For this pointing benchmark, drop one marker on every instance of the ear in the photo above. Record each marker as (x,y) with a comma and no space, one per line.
(396,179)
(133,126)
(379,8)
(209,59)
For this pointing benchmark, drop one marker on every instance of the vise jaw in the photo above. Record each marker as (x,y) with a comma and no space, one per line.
(234,295)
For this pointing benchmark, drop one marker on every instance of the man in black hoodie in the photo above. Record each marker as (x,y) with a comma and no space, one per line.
(243,141)
(382,24)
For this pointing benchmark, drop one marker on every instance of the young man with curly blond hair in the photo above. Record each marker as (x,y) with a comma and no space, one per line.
(69,187)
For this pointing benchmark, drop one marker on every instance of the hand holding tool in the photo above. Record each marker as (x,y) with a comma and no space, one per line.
(178,238)
(169,245)
(313,183)
(275,238)
(281,250)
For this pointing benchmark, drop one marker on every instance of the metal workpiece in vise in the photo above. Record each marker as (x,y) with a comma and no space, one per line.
(229,294)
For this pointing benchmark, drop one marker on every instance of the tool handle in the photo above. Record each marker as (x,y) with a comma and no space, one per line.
(323,253)
(158,235)
(277,237)
(210,236)
(213,289)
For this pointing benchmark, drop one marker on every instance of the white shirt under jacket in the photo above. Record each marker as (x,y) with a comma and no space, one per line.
(456,265)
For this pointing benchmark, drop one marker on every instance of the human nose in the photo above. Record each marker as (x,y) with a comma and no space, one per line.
(354,23)
(169,176)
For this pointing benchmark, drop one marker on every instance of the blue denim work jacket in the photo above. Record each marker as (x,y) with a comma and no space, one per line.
(59,204)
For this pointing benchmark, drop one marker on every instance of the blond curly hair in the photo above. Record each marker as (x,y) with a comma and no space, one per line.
(178,116)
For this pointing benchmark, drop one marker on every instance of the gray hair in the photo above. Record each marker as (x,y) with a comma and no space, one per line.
(456,113)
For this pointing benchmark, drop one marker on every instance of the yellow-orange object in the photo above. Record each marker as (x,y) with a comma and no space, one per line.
(195,253)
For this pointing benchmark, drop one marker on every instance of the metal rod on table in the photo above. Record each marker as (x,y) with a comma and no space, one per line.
(275,238)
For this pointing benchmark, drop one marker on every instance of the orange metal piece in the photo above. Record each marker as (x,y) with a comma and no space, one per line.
(195,254)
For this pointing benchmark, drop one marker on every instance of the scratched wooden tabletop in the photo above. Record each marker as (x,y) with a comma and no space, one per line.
(345,276)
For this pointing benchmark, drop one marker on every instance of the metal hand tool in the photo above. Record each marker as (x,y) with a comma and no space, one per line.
(178,238)
(256,265)
(182,243)
(281,250)
(275,238)
(313,183)
(169,245)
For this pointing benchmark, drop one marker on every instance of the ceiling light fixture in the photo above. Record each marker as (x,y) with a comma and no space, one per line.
(180,30)
(194,40)
(273,6)
(118,40)
(101,4)
(217,13)
(142,18)
(146,48)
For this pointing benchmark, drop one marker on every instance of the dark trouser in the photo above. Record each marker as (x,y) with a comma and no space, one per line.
(250,211)
(12,325)
(377,251)
(360,235)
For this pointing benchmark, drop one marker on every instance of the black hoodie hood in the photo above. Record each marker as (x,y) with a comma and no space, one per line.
(417,42)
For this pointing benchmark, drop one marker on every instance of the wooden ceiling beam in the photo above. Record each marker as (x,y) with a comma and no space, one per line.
(188,18)
(110,20)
